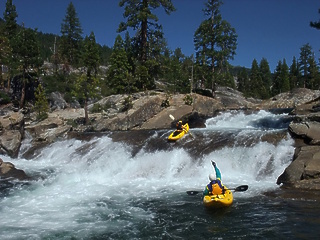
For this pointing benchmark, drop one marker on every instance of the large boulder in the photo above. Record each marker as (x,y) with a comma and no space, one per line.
(304,171)
(291,99)
(47,130)
(57,101)
(9,171)
(116,117)
(309,131)
(10,143)
(11,132)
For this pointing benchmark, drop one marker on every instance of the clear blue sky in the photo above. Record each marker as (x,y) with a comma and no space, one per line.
(273,29)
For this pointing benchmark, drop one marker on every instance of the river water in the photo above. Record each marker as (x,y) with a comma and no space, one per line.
(132,185)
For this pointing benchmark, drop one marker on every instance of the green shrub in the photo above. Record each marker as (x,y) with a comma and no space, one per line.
(4,98)
(96,108)
(188,99)
(127,104)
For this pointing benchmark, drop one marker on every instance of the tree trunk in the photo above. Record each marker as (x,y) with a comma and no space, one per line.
(144,31)
(86,112)
(23,91)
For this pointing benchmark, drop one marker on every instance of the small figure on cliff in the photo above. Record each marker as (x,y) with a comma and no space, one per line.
(215,187)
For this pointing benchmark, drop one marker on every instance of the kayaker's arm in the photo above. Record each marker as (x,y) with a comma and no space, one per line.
(218,173)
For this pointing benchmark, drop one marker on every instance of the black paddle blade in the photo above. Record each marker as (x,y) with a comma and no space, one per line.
(193,192)
(241,188)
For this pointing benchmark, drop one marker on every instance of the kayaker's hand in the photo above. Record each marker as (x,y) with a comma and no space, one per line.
(213,163)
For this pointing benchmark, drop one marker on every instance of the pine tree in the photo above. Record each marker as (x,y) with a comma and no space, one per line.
(41,105)
(314,75)
(70,42)
(139,16)
(91,58)
(285,82)
(276,86)
(243,81)
(10,15)
(303,64)
(26,57)
(266,77)
(119,72)
(10,29)
(294,74)
(215,42)
(316,25)
(5,55)
(256,87)
(87,84)
(148,41)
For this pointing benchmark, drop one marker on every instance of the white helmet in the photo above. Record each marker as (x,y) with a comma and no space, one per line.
(212,177)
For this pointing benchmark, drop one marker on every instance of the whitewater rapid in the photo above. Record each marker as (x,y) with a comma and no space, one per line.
(76,180)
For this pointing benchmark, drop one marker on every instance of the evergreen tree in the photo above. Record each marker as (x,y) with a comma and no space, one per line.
(256,87)
(148,40)
(215,42)
(10,29)
(26,57)
(313,74)
(180,82)
(128,47)
(266,77)
(187,74)
(284,77)
(91,58)
(316,25)
(119,72)
(139,16)
(105,53)
(70,42)
(303,64)
(10,15)
(5,55)
(294,74)
(281,81)
(41,104)
(86,85)
(243,81)
(276,86)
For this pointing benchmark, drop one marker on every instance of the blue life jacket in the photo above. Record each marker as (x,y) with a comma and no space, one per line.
(215,187)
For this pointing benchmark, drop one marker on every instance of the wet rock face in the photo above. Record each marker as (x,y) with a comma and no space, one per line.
(304,171)
(9,171)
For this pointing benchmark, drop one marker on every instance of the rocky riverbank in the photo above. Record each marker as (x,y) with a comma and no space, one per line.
(150,110)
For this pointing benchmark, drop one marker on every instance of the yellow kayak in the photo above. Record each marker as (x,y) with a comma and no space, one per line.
(177,134)
(218,201)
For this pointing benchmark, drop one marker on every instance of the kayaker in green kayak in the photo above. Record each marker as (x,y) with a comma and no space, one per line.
(215,187)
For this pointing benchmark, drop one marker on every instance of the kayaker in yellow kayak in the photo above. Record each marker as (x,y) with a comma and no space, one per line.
(215,187)
(179,126)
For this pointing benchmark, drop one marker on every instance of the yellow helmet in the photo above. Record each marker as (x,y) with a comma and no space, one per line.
(180,121)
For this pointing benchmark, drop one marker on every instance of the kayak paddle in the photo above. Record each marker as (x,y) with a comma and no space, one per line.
(241,188)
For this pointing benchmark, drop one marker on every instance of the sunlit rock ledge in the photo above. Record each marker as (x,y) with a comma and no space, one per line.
(151,110)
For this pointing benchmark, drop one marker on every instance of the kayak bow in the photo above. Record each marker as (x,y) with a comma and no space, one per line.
(177,134)
(218,201)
